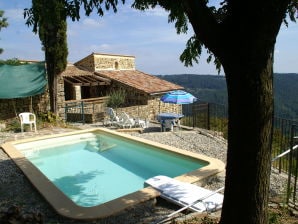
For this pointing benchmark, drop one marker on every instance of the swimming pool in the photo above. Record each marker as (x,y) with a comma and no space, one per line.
(101,169)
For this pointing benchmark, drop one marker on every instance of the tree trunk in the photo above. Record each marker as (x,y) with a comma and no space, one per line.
(52,33)
(52,83)
(243,41)
(52,79)
(250,91)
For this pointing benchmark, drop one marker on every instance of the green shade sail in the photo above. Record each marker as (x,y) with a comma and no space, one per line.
(18,81)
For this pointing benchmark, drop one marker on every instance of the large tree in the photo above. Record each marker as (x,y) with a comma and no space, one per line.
(48,19)
(3,24)
(240,37)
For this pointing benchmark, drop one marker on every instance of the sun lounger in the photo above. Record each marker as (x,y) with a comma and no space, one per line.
(125,121)
(187,195)
(111,118)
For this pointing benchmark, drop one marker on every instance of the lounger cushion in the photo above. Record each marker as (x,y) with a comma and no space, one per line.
(185,193)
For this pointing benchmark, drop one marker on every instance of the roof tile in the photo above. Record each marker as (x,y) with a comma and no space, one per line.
(139,80)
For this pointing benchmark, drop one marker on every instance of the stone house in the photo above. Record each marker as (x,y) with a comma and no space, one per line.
(89,81)
(84,88)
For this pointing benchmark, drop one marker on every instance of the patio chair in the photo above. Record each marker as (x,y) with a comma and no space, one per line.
(141,123)
(27,118)
(125,121)
(167,124)
(112,117)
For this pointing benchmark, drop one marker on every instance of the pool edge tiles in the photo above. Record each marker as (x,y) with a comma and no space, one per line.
(66,207)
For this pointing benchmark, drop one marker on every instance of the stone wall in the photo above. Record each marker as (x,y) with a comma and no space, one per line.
(87,62)
(10,108)
(95,62)
(95,112)
(151,110)
(113,63)
(90,110)
(144,106)
(60,97)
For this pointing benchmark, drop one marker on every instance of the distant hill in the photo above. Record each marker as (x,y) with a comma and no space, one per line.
(213,89)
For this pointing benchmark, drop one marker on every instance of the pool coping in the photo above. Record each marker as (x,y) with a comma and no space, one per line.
(66,207)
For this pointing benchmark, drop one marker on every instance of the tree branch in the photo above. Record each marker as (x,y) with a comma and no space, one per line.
(204,23)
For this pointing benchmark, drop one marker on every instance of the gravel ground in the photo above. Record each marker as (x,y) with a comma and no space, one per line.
(16,190)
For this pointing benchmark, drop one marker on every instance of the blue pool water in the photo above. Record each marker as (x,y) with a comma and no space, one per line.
(92,169)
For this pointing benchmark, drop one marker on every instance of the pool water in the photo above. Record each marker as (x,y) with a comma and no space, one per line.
(92,169)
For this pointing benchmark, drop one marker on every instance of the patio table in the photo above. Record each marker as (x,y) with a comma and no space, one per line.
(173,117)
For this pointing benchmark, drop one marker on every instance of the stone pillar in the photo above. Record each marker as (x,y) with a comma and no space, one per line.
(78,94)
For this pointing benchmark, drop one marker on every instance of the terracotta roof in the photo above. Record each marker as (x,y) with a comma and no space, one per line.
(144,82)
(72,70)
(81,77)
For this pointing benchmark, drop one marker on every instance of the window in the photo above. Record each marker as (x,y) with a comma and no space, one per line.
(116,65)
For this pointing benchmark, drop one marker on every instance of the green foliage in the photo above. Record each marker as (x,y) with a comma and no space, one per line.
(208,88)
(292,11)
(52,33)
(220,125)
(13,61)
(3,24)
(3,21)
(49,117)
(197,220)
(274,218)
(72,10)
(285,96)
(208,220)
(48,18)
(200,120)
(210,16)
(193,48)
(13,125)
(282,215)
(117,98)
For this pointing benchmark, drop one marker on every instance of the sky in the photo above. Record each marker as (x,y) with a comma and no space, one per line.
(146,35)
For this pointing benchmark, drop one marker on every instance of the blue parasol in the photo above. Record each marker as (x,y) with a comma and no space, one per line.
(178,97)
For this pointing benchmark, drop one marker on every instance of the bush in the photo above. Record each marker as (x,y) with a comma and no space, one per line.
(117,98)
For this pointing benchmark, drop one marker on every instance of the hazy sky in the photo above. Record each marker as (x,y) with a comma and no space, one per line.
(146,35)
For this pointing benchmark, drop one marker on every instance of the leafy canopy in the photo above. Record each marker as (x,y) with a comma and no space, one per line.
(3,24)
(13,61)
(219,11)
(72,10)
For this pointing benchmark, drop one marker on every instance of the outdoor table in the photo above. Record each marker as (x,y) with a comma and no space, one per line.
(162,117)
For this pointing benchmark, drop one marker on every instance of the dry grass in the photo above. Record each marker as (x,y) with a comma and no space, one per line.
(276,216)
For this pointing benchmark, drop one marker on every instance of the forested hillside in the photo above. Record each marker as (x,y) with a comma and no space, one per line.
(212,88)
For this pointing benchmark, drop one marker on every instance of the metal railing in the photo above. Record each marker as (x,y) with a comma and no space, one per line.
(292,197)
(85,110)
(208,116)
(283,140)
(284,143)
(288,161)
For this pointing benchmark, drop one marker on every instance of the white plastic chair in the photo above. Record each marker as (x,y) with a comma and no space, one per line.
(141,123)
(125,121)
(112,117)
(167,124)
(27,118)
